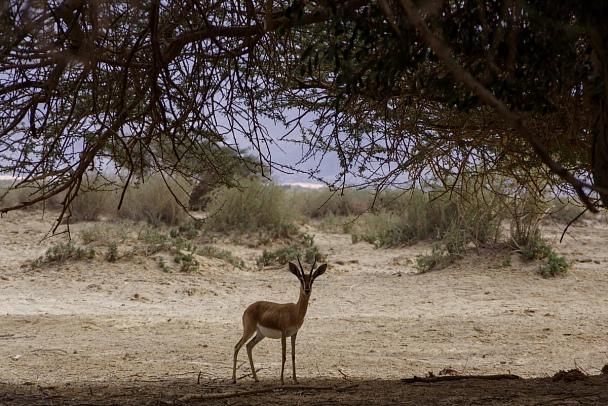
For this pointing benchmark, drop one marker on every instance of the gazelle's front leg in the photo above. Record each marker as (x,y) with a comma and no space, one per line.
(293,356)
(284,353)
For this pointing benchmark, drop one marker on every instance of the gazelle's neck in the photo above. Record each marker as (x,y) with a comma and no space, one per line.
(302,304)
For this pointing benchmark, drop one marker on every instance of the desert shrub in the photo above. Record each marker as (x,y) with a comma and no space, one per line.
(150,201)
(181,243)
(539,248)
(437,259)
(93,205)
(325,203)
(556,265)
(301,244)
(219,253)
(526,213)
(564,210)
(470,216)
(105,232)
(283,255)
(189,229)
(61,252)
(99,196)
(112,254)
(186,261)
(11,196)
(255,205)
(154,240)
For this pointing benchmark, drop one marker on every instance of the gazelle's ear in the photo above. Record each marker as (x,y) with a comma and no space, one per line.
(320,271)
(294,269)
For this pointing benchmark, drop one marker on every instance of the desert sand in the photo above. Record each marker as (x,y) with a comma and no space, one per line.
(128,333)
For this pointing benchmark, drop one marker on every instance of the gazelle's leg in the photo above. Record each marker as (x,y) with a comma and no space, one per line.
(258,337)
(283,353)
(237,347)
(293,356)
(248,330)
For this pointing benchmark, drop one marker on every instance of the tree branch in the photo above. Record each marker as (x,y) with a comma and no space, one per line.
(503,111)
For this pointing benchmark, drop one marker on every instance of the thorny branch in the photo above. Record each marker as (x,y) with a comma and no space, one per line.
(439,48)
(147,86)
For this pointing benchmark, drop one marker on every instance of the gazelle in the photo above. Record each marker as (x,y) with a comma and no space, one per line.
(277,320)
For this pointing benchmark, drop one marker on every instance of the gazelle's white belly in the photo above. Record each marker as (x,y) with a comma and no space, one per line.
(272,333)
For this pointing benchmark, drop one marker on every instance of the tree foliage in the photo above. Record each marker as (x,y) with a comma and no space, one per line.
(400,93)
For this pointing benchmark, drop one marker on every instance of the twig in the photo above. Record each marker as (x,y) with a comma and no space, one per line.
(433,379)
(343,374)
(570,223)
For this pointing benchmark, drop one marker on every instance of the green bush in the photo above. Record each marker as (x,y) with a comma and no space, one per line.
(471,216)
(225,255)
(9,196)
(302,243)
(564,210)
(437,259)
(291,253)
(153,201)
(536,248)
(187,262)
(112,254)
(255,205)
(325,203)
(62,252)
(556,265)
(99,196)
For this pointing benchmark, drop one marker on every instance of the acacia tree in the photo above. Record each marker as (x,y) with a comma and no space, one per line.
(397,91)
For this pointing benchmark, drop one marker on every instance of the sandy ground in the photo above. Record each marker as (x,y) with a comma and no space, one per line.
(95,332)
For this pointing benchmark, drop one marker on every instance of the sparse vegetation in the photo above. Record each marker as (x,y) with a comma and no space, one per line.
(539,248)
(472,217)
(256,205)
(302,246)
(112,254)
(61,252)
(455,223)
(536,248)
(437,259)
(564,211)
(225,255)
(186,261)
(556,265)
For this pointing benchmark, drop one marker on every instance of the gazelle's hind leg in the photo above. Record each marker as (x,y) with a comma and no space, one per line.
(258,337)
(248,331)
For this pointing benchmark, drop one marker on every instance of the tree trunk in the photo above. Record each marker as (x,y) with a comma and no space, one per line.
(598,92)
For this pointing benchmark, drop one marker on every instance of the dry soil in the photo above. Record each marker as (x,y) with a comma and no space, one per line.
(94,332)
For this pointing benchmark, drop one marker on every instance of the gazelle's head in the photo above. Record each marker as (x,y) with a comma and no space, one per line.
(306,280)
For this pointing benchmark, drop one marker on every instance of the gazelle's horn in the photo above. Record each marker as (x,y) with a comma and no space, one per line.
(313,265)
(301,268)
